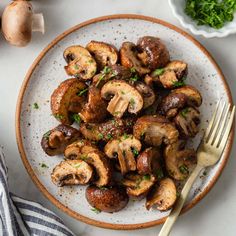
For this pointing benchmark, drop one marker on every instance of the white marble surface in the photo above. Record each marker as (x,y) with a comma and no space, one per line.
(214,215)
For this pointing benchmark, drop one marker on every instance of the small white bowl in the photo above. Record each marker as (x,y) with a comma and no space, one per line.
(178,6)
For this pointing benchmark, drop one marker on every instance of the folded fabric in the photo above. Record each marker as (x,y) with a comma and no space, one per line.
(20,217)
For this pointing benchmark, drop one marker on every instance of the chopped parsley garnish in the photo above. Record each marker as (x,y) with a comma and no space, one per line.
(179,83)
(76,118)
(109,136)
(116,113)
(213,13)
(103,188)
(159,174)
(100,136)
(132,70)
(122,92)
(134,78)
(84,157)
(184,169)
(132,102)
(47,134)
(77,165)
(135,152)
(106,70)
(124,153)
(97,211)
(58,116)
(82,92)
(35,105)
(158,72)
(125,136)
(177,194)
(184,112)
(146,177)
(76,67)
(43,165)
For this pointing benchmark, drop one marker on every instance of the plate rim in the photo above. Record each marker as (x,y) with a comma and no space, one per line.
(19,139)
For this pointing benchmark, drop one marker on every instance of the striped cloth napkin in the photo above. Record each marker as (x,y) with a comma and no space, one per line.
(20,217)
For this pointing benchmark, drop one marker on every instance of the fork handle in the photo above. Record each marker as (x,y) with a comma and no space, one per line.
(165,231)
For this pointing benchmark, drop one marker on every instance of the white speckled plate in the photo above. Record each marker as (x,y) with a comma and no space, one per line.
(47,72)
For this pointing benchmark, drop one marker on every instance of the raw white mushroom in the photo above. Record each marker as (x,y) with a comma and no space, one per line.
(19,21)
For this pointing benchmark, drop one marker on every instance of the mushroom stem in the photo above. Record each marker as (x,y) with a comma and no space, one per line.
(38,23)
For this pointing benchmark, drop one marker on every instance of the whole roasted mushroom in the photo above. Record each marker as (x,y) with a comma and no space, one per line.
(90,112)
(109,200)
(19,21)
(55,141)
(155,130)
(152,52)
(105,54)
(148,162)
(124,149)
(122,97)
(80,62)
(179,161)
(187,122)
(72,172)
(129,58)
(138,185)
(66,99)
(111,129)
(180,98)
(163,195)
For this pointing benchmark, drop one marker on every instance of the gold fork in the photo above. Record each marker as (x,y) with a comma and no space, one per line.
(208,154)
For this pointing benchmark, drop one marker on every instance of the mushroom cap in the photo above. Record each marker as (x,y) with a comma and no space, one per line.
(129,58)
(17,23)
(105,54)
(55,141)
(80,62)
(72,172)
(62,99)
(154,53)
(123,148)
(138,185)
(155,130)
(90,111)
(164,195)
(125,97)
(179,161)
(148,162)
(110,199)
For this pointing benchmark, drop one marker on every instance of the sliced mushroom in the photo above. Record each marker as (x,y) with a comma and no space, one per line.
(72,172)
(111,72)
(153,53)
(125,97)
(155,130)
(138,185)
(129,58)
(187,122)
(179,161)
(108,130)
(94,158)
(148,162)
(80,62)
(110,199)
(90,112)
(105,54)
(178,99)
(123,148)
(55,141)
(65,100)
(164,195)
(78,148)
(146,92)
